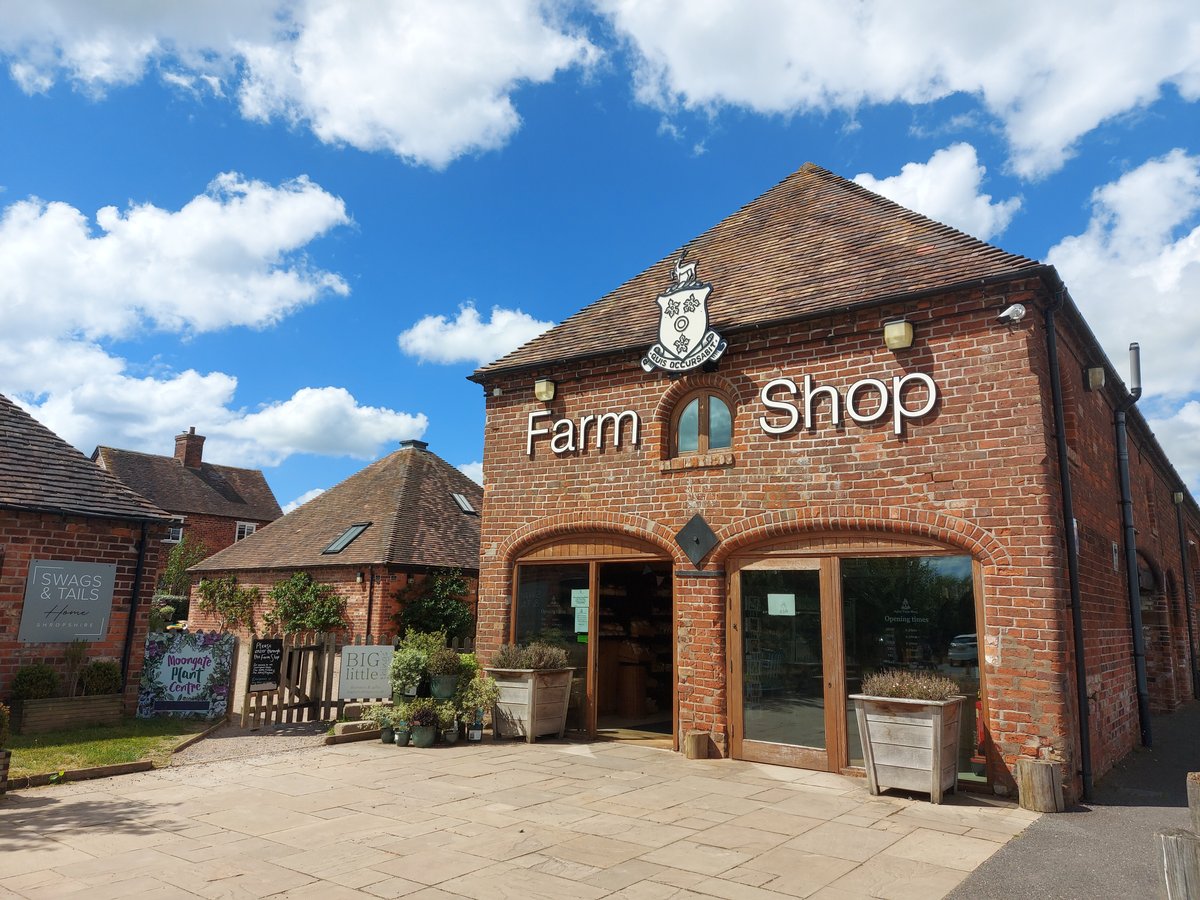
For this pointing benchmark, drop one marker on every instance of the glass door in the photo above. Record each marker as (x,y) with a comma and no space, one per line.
(785,662)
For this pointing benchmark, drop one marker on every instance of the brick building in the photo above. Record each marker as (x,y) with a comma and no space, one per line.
(370,536)
(83,534)
(820,440)
(215,505)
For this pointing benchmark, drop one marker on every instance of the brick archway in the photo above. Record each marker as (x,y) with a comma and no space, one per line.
(902,520)
(551,527)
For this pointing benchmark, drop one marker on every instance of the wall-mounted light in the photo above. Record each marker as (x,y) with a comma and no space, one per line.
(898,334)
(497,391)
(543,389)
(359,578)
(1178,498)
(1093,378)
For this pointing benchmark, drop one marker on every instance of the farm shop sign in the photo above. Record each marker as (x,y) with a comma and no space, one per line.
(567,436)
(66,601)
(790,402)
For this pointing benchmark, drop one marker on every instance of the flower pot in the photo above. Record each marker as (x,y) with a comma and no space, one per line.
(532,702)
(423,735)
(386,734)
(450,735)
(442,686)
(401,737)
(909,744)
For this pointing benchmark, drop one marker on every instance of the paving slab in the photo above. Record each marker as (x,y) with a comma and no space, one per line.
(557,819)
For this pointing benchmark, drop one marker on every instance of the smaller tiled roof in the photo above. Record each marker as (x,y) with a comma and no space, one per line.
(39,471)
(814,244)
(407,497)
(209,489)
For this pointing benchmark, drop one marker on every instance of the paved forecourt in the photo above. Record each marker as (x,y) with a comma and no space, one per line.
(553,820)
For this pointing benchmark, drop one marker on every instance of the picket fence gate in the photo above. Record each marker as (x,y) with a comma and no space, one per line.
(307,689)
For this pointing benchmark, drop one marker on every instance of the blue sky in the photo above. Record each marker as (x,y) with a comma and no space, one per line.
(298,226)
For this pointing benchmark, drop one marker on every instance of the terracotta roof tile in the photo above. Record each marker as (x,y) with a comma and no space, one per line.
(41,471)
(407,498)
(814,243)
(210,489)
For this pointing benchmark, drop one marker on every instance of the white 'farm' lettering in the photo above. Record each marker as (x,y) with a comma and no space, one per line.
(567,437)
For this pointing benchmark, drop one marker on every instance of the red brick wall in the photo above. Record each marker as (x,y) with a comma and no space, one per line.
(215,532)
(26,536)
(343,578)
(978,473)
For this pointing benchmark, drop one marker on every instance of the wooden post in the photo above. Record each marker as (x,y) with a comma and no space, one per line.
(1193,795)
(695,745)
(1181,862)
(1038,785)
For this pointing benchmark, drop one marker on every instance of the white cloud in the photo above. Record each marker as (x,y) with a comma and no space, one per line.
(1135,274)
(302,499)
(427,80)
(473,470)
(1049,71)
(947,188)
(227,257)
(467,338)
(1135,271)
(232,256)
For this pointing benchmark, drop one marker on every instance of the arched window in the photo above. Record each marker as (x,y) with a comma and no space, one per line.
(702,423)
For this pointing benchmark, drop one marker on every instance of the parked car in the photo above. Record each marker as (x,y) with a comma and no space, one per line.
(964,650)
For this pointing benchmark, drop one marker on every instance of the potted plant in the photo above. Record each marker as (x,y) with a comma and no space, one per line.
(448,721)
(408,668)
(535,688)
(443,666)
(5,754)
(909,724)
(380,715)
(400,727)
(422,717)
(477,697)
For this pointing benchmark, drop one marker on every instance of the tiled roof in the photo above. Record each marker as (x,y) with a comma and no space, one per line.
(209,489)
(407,498)
(41,471)
(814,243)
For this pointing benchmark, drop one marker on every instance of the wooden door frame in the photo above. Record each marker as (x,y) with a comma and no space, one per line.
(575,552)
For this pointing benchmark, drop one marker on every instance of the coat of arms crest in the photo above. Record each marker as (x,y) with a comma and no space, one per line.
(684,338)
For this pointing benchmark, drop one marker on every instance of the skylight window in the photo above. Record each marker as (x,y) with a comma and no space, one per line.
(346,537)
(463,503)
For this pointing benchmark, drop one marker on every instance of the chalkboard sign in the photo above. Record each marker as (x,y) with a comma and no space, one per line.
(266,660)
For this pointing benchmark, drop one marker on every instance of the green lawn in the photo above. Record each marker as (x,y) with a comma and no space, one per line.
(99,745)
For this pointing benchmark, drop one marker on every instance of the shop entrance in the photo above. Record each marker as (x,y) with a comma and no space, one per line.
(804,631)
(634,656)
(608,601)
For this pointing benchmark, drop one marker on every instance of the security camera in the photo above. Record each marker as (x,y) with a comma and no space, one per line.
(1013,314)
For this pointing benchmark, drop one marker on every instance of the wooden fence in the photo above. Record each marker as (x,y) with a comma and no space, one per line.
(308,688)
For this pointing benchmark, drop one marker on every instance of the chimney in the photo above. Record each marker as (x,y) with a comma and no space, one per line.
(189,448)
(410,444)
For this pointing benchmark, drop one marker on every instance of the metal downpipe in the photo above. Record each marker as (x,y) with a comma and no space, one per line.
(133,606)
(1131,566)
(1068,511)
(1187,599)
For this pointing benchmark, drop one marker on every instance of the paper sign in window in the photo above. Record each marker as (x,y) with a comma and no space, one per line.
(579,598)
(581,619)
(781,604)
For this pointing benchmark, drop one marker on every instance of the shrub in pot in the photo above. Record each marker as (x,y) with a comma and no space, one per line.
(448,721)
(909,725)
(477,698)
(535,690)
(443,667)
(422,717)
(100,676)
(36,681)
(380,715)
(408,668)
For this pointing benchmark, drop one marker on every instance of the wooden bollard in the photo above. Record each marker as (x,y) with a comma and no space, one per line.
(695,745)
(1181,862)
(1038,786)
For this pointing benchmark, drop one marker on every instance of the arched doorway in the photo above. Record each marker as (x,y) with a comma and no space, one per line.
(609,600)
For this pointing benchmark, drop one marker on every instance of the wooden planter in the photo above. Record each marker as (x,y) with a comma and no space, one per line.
(37,716)
(533,702)
(910,744)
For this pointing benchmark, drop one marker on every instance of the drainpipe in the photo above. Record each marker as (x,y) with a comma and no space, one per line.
(133,606)
(1187,593)
(1131,566)
(370,599)
(1068,512)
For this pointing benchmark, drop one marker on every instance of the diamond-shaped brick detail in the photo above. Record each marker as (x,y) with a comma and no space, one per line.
(696,539)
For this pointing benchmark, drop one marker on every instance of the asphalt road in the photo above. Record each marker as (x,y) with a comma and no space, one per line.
(1106,848)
